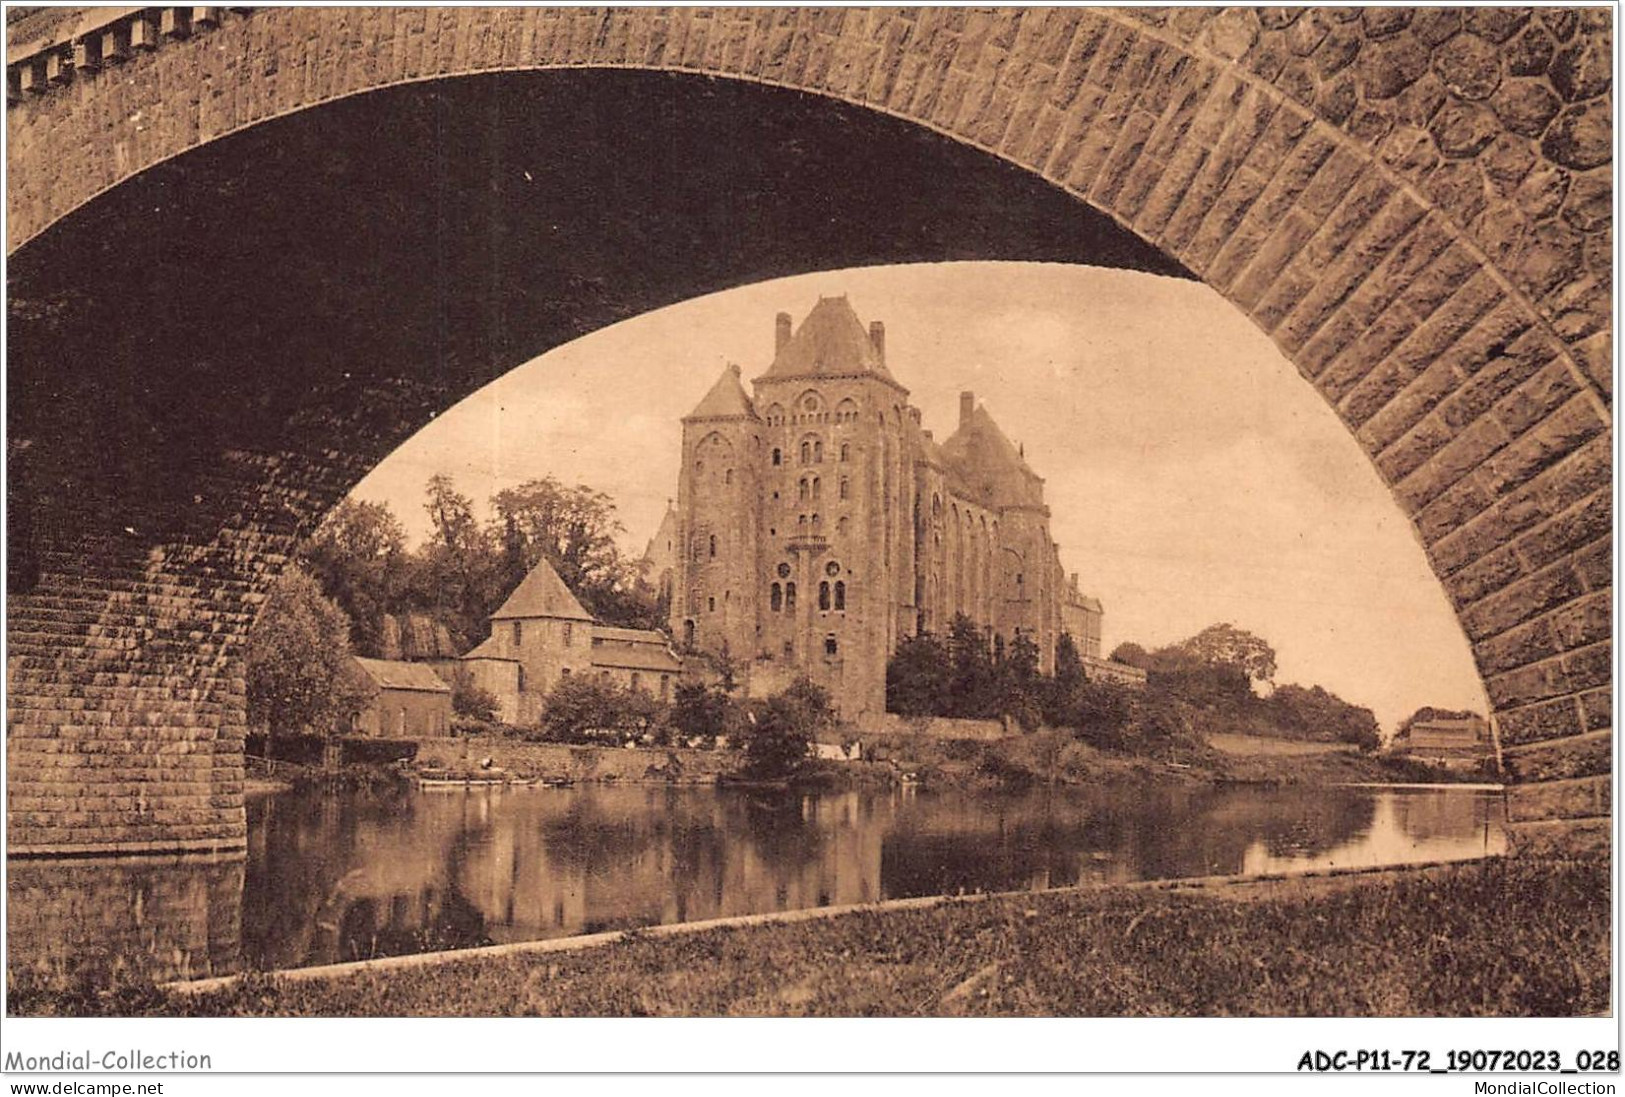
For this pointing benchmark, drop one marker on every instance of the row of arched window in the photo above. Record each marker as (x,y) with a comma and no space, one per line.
(812,453)
(809,408)
(830,596)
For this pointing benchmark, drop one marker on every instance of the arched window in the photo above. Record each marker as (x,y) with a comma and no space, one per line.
(841,526)
(831,646)
(728,476)
(840,594)
(803,489)
(936,505)
(846,451)
(688,633)
(818,487)
(846,488)
(777,598)
(518,633)
(823,595)
(818,453)
(801,519)
(778,457)
(816,520)
(789,596)
(713,544)
(520,685)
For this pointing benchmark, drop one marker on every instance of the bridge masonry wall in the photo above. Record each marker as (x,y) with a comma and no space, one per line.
(1415,204)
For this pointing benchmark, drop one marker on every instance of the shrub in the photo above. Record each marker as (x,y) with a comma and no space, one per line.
(780,731)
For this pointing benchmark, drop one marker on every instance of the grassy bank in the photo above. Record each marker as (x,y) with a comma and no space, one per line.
(1056,757)
(1506,937)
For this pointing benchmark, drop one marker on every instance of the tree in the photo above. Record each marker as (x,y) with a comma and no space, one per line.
(358,555)
(1097,712)
(1019,685)
(574,529)
(298,666)
(700,712)
(1317,713)
(970,684)
(918,676)
(811,702)
(777,742)
(1226,645)
(458,578)
(579,705)
(1132,654)
(1057,692)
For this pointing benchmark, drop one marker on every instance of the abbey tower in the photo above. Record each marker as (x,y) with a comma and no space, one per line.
(818,522)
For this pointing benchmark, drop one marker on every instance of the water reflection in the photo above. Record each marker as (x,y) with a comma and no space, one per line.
(341,877)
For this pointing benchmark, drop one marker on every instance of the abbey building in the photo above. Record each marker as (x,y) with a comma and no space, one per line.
(818,522)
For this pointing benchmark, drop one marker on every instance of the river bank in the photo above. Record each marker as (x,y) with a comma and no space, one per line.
(1041,758)
(1503,937)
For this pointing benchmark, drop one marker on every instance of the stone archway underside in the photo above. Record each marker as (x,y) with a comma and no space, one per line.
(1415,205)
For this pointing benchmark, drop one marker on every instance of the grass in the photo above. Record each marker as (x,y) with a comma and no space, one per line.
(1512,937)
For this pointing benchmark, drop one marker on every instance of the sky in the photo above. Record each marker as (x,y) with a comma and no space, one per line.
(1193,476)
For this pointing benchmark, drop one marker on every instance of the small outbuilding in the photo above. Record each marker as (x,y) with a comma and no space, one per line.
(413,702)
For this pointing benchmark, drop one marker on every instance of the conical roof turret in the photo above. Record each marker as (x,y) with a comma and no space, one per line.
(726,400)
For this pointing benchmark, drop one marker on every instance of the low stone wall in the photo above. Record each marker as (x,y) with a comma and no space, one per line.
(578,763)
(889,725)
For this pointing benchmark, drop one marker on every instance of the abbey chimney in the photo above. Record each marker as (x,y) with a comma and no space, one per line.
(877,339)
(967,407)
(781,331)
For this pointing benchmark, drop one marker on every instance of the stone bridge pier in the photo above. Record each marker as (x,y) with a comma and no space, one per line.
(253,250)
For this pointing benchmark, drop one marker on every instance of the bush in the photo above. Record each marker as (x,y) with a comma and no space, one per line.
(304,750)
(700,712)
(380,751)
(585,710)
(779,732)
(1097,712)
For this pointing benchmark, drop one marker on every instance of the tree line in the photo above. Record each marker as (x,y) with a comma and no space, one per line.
(1202,684)
(466,568)
(356,572)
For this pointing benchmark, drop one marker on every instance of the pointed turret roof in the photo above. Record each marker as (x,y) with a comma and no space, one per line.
(831,342)
(542,594)
(726,400)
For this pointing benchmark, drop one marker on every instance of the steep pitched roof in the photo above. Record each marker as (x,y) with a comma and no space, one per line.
(830,342)
(726,400)
(989,463)
(393,674)
(542,594)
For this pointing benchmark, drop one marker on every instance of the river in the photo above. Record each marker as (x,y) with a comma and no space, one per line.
(343,876)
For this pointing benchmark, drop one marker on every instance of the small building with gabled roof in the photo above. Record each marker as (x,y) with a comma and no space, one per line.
(412,702)
(541,634)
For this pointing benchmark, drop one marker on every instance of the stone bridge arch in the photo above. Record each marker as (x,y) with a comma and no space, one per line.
(1415,205)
